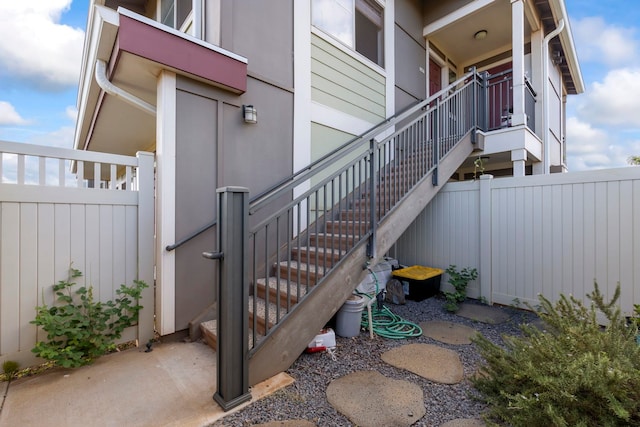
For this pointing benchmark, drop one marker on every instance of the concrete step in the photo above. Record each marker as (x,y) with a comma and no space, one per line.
(327,257)
(303,273)
(210,331)
(387,202)
(277,289)
(343,242)
(355,215)
(210,334)
(346,227)
(260,314)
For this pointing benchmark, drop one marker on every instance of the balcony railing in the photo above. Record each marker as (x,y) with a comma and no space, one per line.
(500,101)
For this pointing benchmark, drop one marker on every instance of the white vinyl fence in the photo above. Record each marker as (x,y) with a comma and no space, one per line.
(535,235)
(62,208)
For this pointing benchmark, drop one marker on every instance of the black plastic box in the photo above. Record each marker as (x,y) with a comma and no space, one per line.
(422,282)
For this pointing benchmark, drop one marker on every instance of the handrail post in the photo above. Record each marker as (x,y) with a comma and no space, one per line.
(436,142)
(484,101)
(474,108)
(233,298)
(373,199)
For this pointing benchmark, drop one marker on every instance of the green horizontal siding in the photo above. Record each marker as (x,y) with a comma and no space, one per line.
(340,81)
(325,139)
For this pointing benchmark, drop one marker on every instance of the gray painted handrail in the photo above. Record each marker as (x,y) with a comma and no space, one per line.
(300,176)
(179,243)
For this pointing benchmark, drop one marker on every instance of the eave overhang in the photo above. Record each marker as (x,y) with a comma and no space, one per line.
(137,50)
(551,11)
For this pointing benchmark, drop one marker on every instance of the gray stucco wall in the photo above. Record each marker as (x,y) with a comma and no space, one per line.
(215,148)
(196,157)
(258,155)
(261,31)
(410,53)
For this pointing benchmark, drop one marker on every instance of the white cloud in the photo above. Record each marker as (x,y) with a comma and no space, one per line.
(61,137)
(599,42)
(597,148)
(9,115)
(582,138)
(41,50)
(615,101)
(72,113)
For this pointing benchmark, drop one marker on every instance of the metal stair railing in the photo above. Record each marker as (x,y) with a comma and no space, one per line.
(308,223)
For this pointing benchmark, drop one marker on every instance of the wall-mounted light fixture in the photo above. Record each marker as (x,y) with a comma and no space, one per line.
(250,114)
(480,35)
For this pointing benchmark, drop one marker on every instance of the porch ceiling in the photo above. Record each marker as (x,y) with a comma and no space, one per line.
(137,50)
(454,35)
(456,38)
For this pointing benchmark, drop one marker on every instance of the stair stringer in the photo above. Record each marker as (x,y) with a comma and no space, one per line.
(283,346)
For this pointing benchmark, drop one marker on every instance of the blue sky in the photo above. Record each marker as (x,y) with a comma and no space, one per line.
(39,74)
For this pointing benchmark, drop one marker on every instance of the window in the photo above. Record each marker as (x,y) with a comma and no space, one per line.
(174,13)
(356,23)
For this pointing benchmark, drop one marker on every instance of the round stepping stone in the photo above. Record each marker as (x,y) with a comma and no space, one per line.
(464,422)
(369,398)
(448,332)
(288,423)
(430,361)
(483,313)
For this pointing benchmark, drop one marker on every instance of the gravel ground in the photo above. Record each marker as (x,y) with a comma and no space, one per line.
(306,398)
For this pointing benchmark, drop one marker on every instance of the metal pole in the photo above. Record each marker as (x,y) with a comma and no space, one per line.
(373,205)
(233,298)
(436,142)
(474,107)
(484,101)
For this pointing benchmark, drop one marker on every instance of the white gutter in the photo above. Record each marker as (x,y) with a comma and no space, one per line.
(113,90)
(546,161)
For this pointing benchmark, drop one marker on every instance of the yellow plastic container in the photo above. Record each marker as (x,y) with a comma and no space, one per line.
(422,282)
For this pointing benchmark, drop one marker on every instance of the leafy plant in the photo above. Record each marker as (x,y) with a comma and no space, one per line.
(10,368)
(573,373)
(478,166)
(459,280)
(80,329)
(635,321)
(633,160)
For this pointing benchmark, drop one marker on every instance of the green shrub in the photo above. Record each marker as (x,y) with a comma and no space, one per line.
(459,280)
(573,373)
(9,369)
(80,329)
(635,320)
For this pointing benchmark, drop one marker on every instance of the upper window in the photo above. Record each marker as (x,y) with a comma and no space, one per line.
(175,13)
(356,23)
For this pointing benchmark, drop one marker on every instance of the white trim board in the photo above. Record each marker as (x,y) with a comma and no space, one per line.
(335,119)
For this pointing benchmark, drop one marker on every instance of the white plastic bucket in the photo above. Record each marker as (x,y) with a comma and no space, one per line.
(349,315)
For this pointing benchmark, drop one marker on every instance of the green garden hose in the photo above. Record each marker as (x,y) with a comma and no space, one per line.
(387,324)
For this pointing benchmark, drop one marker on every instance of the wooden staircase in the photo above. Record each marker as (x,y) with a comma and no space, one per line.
(337,255)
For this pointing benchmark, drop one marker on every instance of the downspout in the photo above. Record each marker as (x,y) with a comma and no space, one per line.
(111,89)
(546,162)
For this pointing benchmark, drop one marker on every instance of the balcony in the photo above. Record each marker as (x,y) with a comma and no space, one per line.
(499,101)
